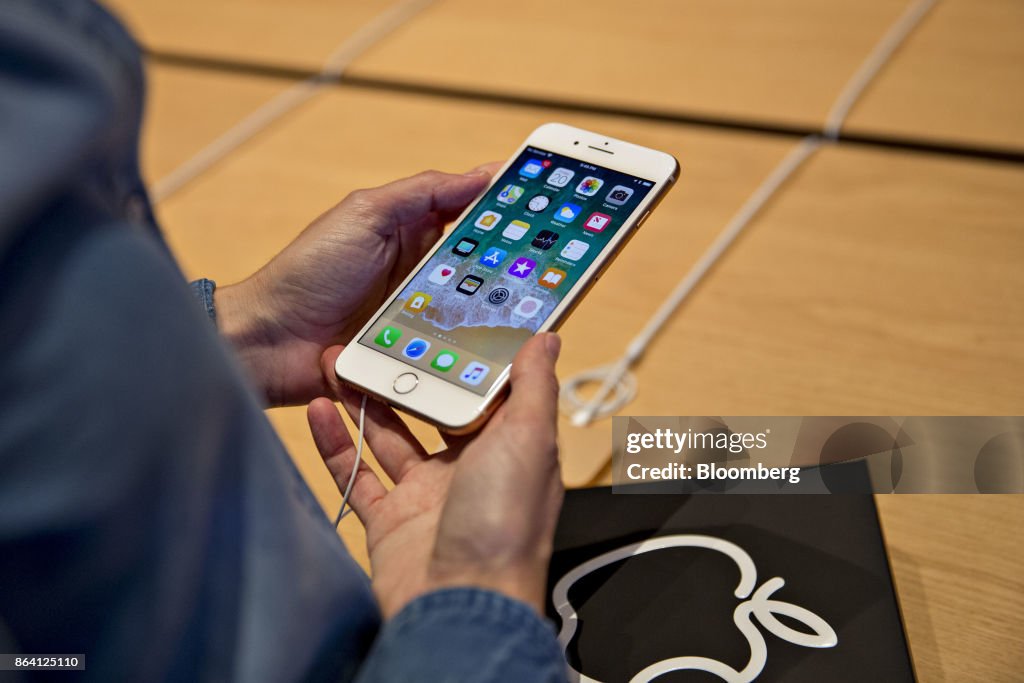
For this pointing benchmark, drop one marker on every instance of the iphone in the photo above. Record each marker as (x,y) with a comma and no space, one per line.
(517,262)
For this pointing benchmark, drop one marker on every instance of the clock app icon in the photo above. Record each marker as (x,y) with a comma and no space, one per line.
(538,203)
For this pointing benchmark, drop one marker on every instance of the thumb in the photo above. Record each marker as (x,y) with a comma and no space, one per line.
(328,359)
(412,199)
(533,400)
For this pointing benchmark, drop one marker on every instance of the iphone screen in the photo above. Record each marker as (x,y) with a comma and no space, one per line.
(502,271)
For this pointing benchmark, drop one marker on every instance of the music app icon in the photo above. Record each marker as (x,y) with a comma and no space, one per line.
(474,373)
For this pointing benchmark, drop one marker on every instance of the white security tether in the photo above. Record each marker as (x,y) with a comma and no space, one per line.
(617,385)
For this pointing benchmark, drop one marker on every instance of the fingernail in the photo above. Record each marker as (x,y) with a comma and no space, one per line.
(481,170)
(553,343)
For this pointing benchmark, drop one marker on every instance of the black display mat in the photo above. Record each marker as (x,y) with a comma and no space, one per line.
(679,601)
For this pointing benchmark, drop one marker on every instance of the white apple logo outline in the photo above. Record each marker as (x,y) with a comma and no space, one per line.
(758,605)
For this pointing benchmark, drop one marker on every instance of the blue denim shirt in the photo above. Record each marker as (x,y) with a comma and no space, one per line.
(149,517)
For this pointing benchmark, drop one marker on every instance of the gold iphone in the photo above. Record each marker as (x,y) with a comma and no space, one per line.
(517,262)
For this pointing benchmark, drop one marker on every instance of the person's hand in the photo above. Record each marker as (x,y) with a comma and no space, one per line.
(481,513)
(321,288)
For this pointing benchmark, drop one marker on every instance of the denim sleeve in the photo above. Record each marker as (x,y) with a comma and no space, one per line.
(203,291)
(465,634)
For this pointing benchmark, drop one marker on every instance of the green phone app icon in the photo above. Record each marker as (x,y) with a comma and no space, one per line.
(444,361)
(387,337)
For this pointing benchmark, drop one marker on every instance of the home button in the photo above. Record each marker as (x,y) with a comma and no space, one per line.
(406,382)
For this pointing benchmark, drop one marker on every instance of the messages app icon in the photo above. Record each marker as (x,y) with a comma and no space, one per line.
(567,213)
(444,361)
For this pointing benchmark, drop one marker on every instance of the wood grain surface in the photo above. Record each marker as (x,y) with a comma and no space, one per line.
(778,62)
(186,109)
(956,561)
(297,33)
(877,282)
(958,79)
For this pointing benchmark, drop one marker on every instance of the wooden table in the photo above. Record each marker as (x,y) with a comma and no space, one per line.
(187,108)
(957,81)
(878,282)
(297,33)
(779,63)
(957,560)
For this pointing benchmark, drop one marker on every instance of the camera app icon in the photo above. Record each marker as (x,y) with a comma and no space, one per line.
(619,195)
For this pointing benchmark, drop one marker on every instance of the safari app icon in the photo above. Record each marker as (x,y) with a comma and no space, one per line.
(416,348)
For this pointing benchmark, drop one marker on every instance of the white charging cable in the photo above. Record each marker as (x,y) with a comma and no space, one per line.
(618,385)
(876,60)
(342,512)
(362,40)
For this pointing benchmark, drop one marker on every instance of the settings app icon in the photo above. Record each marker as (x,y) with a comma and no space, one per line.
(498,295)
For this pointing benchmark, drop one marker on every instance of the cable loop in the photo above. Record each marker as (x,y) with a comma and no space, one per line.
(571,401)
